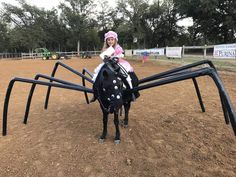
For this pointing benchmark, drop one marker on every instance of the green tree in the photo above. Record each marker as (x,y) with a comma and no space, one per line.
(76,16)
(33,27)
(104,16)
(24,19)
(132,13)
(215,19)
(55,30)
(4,38)
(162,21)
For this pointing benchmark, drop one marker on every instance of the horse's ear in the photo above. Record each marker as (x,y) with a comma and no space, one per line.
(105,74)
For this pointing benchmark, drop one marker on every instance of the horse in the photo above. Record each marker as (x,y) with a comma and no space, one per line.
(111,90)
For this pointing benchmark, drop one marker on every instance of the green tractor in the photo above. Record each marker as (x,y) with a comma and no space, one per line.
(46,54)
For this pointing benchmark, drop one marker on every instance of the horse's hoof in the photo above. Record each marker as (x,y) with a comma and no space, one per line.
(101,141)
(117,141)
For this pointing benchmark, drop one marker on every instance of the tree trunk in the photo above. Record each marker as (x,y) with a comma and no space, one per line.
(78,47)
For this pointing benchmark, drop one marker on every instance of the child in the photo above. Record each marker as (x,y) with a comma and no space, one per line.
(145,56)
(111,48)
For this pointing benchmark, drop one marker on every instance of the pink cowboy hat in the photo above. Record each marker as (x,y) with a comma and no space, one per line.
(110,34)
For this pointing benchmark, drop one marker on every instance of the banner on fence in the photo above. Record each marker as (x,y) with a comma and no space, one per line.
(154,51)
(225,51)
(128,52)
(174,52)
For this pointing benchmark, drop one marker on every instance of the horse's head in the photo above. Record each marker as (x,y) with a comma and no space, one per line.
(110,90)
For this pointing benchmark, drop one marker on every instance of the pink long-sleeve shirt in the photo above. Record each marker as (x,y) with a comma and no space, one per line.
(119,53)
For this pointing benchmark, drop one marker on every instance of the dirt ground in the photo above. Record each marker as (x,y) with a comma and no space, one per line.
(168,135)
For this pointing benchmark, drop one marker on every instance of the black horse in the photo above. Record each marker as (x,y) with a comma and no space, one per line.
(109,90)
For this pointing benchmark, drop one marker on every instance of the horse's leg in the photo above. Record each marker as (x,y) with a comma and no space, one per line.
(116,122)
(126,119)
(104,132)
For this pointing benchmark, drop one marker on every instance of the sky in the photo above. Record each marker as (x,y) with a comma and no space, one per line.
(49,4)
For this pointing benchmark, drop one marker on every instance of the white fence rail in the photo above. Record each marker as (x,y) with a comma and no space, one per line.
(40,55)
(68,54)
(203,50)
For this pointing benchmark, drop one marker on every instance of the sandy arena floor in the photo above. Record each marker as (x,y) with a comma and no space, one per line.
(168,135)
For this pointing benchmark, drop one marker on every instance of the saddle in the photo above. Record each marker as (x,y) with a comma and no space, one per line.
(119,71)
(115,67)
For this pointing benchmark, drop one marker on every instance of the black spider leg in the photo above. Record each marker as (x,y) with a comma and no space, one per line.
(33,88)
(198,91)
(196,86)
(176,70)
(181,70)
(11,84)
(226,103)
(53,74)
(83,82)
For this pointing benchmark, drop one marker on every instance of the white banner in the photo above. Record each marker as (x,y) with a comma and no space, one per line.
(128,52)
(225,51)
(174,52)
(154,51)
